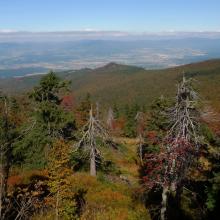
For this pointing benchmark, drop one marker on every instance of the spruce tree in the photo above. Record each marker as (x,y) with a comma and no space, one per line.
(52,121)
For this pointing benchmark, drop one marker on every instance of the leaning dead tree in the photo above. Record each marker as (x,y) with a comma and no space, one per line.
(94,136)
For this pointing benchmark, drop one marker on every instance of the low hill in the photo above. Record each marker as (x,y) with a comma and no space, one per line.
(122,84)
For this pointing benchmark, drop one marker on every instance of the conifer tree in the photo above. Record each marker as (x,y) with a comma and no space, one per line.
(158,118)
(82,112)
(6,136)
(130,125)
(116,111)
(48,97)
(59,181)
(9,135)
(52,120)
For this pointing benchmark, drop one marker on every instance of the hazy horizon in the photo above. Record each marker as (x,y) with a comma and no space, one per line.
(51,34)
(15,36)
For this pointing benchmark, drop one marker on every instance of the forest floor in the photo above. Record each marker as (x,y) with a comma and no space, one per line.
(119,191)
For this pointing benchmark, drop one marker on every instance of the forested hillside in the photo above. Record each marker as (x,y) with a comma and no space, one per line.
(117,142)
(122,84)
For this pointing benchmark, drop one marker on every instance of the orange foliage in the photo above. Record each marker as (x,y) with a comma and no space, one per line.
(14,180)
(118,126)
(25,177)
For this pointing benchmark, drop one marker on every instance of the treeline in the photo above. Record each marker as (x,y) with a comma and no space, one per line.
(48,131)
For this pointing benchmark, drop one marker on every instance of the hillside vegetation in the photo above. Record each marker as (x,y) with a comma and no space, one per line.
(123,84)
(79,160)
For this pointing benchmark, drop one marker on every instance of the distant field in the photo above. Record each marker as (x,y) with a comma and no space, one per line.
(21,58)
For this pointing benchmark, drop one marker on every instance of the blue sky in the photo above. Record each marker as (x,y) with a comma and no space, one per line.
(120,15)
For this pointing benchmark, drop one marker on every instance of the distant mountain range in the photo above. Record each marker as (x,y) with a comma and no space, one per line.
(89,34)
(19,58)
(123,84)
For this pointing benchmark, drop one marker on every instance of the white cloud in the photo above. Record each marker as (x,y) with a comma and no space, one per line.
(90,30)
(7,31)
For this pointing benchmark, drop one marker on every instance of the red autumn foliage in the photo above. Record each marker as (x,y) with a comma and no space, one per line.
(68,102)
(154,169)
(151,134)
(160,169)
(152,137)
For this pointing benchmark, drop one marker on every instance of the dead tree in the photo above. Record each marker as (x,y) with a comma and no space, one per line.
(93,136)
(181,142)
(110,119)
(140,134)
(168,168)
(24,209)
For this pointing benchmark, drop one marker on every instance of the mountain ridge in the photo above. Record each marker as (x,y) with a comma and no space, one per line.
(125,84)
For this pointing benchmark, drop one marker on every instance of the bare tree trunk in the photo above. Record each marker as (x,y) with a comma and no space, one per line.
(164,203)
(141,148)
(110,119)
(140,153)
(92,164)
(92,131)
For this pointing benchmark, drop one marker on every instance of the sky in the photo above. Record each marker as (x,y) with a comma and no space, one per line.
(109,15)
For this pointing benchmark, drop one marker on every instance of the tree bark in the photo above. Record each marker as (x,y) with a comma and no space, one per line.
(164,203)
(141,148)
(92,164)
